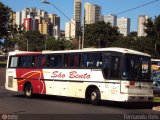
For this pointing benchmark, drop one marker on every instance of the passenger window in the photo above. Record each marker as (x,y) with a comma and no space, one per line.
(13,62)
(72,60)
(115,66)
(35,61)
(54,61)
(92,60)
(24,61)
(43,61)
(106,66)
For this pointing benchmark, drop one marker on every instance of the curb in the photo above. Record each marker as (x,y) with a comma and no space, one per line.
(156,108)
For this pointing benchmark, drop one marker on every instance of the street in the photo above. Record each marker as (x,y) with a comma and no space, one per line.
(47,107)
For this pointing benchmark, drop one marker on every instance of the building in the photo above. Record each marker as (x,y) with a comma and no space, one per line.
(30,24)
(77,10)
(18,19)
(24,15)
(34,19)
(92,13)
(54,29)
(110,18)
(142,19)
(12,19)
(124,25)
(27,24)
(43,27)
(71,29)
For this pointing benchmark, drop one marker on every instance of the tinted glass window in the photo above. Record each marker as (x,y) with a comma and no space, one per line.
(105,66)
(54,61)
(72,60)
(115,66)
(25,61)
(35,61)
(42,61)
(136,67)
(92,59)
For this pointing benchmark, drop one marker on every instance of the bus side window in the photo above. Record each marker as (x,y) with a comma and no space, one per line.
(115,67)
(54,61)
(35,61)
(92,60)
(43,61)
(106,66)
(13,61)
(24,61)
(72,60)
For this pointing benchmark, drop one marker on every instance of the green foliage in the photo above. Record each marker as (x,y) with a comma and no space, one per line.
(58,44)
(153,32)
(4,20)
(100,34)
(35,40)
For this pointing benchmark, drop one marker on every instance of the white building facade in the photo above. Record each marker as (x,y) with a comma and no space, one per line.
(110,18)
(92,13)
(142,19)
(124,25)
(71,29)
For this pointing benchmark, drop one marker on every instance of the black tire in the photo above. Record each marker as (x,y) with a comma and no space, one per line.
(95,97)
(28,90)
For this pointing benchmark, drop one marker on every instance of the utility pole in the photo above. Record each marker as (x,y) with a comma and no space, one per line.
(27,44)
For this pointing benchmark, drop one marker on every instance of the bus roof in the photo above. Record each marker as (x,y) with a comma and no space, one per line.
(155,59)
(114,49)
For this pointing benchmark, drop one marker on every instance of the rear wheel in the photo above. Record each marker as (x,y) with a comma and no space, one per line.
(28,90)
(95,96)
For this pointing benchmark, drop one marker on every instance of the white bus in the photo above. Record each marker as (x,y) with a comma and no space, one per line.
(114,74)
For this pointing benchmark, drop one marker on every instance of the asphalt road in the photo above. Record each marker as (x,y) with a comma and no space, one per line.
(16,106)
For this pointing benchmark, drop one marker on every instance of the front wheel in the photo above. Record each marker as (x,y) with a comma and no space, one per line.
(28,90)
(95,96)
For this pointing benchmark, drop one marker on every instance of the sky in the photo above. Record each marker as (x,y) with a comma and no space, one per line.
(108,7)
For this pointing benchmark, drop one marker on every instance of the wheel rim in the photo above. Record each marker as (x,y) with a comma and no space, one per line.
(93,96)
(28,92)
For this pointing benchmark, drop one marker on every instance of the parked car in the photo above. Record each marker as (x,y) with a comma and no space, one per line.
(156,87)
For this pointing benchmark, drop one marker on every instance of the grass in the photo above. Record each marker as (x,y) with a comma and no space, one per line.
(156,99)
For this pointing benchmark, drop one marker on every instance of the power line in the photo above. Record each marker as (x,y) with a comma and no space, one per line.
(46,2)
(137,7)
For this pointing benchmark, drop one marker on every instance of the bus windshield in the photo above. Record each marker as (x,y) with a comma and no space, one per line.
(136,67)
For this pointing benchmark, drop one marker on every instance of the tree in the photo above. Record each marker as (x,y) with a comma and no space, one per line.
(153,32)
(100,34)
(144,44)
(36,41)
(4,20)
(58,44)
(132,34)
(125,42)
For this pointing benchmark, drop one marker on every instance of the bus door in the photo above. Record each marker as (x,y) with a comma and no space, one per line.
(111,72)
(11,82)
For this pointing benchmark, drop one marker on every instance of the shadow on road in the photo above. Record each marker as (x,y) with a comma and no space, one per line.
(128,105)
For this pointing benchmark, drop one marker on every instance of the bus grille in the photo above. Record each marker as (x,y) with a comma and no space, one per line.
(10,81)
